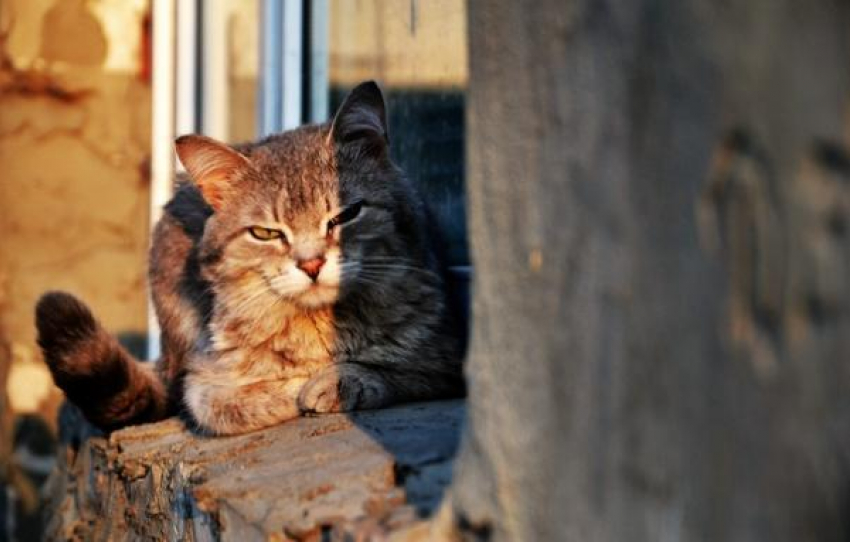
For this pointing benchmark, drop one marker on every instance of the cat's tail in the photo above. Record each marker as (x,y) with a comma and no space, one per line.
(95,372)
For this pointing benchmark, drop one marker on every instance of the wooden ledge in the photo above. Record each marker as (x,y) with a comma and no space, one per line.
(313,478)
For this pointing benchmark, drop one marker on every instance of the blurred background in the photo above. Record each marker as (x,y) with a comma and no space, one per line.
(92,94)
(659,193)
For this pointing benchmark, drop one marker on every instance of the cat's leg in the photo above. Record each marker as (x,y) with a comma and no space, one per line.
(344,387)
(228,408)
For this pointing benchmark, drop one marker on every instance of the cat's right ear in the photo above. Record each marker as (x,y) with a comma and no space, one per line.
(211,165)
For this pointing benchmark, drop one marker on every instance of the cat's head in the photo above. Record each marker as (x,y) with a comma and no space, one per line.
(298,214)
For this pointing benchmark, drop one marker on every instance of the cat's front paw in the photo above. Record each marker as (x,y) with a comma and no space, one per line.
(342,388)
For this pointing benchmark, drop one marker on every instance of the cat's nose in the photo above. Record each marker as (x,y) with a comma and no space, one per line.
(311,267)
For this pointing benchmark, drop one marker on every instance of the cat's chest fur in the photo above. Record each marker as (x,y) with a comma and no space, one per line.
(305,337)
(293,343)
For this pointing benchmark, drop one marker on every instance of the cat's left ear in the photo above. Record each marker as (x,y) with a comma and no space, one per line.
(362,117)
(212,166)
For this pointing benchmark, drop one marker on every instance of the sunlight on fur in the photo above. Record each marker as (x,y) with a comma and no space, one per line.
(300,273)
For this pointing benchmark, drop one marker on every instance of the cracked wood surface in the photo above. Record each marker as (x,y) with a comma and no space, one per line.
(363,474)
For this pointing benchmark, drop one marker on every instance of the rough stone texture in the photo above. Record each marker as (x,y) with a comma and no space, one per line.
(328,476)
(659,201)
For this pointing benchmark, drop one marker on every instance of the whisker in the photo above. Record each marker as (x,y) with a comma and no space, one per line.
(364,279)
(402,261)
(381,279)
(374,278)
(242,304)
(367,282)
(395,267)
(392,260)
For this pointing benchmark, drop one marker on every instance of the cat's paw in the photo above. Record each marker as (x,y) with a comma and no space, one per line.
(342,388)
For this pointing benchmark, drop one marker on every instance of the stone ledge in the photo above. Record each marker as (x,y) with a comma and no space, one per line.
(314,478)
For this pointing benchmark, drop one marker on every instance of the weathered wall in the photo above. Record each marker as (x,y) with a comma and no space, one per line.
(74,139)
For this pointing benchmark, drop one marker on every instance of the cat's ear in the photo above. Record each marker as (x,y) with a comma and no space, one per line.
(362,117)
(211,165)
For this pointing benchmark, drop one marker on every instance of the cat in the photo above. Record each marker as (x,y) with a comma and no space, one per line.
(297,274)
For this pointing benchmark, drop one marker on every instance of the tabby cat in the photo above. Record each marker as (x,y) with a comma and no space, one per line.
(297,274)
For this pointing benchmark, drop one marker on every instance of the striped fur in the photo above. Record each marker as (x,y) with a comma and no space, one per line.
(250,337)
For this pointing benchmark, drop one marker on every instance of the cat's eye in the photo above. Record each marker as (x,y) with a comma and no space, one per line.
(347,215)
(265,234)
